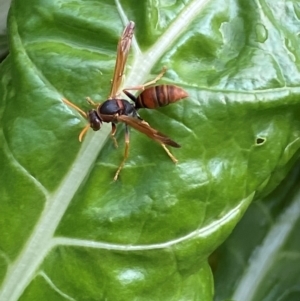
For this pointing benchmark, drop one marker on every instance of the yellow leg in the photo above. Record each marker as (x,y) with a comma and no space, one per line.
(123,162)
(169,154)
(125,153)
(152,82)
(157,78)
(112,134)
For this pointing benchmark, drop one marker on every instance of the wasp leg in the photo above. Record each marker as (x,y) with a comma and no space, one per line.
(125,152)
(112,134)
(69,103)
(157,78)
(169,154)
(150,83)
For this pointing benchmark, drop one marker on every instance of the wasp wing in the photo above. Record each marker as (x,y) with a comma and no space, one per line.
(122,54)
(144,127)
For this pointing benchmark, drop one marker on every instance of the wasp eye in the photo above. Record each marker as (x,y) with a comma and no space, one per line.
(96,125)
(94,119)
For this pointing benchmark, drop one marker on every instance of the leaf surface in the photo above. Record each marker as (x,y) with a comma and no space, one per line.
(69,232)
(259,261)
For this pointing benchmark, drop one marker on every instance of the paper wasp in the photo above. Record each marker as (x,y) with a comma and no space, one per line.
(115,109)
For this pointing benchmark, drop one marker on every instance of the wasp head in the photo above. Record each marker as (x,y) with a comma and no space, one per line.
(94,119)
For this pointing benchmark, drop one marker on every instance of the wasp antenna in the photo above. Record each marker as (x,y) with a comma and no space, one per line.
(69,103)
(91,102)
(83,132)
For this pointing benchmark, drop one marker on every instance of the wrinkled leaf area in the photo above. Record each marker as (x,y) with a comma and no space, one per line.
(280,276)
(239,131)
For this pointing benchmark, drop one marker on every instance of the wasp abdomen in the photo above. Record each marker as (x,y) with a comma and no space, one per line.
(159,96)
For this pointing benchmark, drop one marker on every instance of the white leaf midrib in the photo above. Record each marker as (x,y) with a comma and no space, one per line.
(39,244)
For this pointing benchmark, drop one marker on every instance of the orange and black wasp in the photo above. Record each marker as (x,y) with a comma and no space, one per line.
(116,109)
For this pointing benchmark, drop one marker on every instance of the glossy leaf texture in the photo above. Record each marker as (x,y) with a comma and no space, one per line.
(260,259)
(68,231)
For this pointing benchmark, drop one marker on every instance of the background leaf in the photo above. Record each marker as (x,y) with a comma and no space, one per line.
(259,261)
(4,6)
(68,231)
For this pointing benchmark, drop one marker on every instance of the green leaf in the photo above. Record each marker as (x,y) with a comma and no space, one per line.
(259,261)
(68,231)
